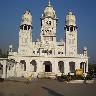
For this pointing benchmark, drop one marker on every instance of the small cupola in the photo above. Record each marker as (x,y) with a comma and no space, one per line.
(70,19)
(26,18)
(49,11)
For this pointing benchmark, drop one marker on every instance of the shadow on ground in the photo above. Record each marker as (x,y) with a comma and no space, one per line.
(52,92)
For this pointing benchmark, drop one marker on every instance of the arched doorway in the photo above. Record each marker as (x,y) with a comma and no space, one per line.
(24,64)
(1,70)
(72,67)
(48,66)
(34,65)
(61,66)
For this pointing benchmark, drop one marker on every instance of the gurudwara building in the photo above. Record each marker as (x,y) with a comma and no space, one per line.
(46,57)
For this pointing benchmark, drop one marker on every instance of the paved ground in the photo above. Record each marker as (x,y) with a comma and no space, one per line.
(45,88)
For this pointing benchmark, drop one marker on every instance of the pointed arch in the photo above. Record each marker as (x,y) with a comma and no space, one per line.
(72,66)
(1,69)
(34,64)
(61,66)
(48,66)
(24,64)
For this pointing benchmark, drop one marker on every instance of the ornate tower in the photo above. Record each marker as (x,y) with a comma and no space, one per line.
(48,26)
(25,34)
(70,35)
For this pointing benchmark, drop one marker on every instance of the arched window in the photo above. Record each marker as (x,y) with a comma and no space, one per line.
(25,27)
(49,22)
(24,64)
(34,64)
(61,66)
(72,67)
(67,28)
(1,69)
(48,66)
(71,28)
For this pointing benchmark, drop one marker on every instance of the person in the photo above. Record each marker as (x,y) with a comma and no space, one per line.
(68,77)
(37,77)
(29,79)
(85,80)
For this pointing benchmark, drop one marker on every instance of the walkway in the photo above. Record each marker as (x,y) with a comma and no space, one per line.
(45,88)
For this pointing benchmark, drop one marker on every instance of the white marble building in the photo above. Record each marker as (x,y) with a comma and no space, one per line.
(46,57)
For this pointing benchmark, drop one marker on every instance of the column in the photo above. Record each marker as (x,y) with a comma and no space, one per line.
(39,66)
(66,68)
(27,72)
(23,26)
(27,65)
(55,68)
(4,69)
(85,63)
(86,66)
(77,65)
(27,27)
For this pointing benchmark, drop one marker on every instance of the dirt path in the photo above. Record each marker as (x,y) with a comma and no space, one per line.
(46,88)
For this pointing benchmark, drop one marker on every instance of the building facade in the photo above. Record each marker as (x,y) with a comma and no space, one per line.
(46,57)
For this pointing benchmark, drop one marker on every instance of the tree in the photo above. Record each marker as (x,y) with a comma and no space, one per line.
(0,53)
(3,55)
(91,69)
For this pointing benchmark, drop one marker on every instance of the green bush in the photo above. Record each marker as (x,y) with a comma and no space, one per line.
(88,77)
(63,76)
(79,77)
(73,77)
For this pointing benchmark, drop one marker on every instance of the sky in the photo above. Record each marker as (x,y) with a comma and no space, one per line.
(84,10)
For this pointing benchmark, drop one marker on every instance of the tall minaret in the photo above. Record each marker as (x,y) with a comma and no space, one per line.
(25,34)
(70,35)
(48,26)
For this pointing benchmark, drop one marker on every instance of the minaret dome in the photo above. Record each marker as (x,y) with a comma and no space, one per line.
(70,19)
(26,18)
(49,11)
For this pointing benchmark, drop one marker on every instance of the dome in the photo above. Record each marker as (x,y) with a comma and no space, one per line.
(49,11)
(70,13)
(85,48)
(70,16)
(27,18)
(70,19)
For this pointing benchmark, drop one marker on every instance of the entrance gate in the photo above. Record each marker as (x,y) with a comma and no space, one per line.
(48,66)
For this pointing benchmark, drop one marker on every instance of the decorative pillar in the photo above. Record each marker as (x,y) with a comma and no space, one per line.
(77,65)
(23,27)
(4,69)
(66,68)
(39,66)
(27,27)
(55,68)
(86,66)
(27,72)
(27,65)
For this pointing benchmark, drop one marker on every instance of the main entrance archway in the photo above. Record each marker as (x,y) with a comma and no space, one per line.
(48,66)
